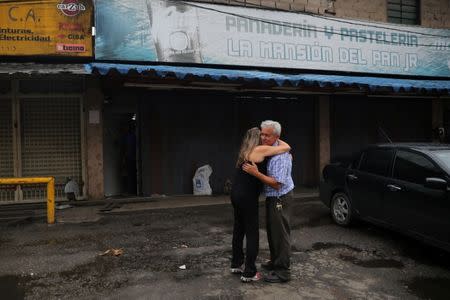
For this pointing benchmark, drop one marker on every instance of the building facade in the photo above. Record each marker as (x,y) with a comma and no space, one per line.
(187,114)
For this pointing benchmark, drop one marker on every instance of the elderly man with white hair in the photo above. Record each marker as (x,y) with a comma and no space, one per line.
(278,189)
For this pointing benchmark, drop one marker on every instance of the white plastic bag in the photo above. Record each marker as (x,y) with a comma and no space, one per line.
(71,190)
(201,180)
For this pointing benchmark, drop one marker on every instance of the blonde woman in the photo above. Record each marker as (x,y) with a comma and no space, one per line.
(244,197)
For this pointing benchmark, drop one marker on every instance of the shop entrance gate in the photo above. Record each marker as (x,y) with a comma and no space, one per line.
(41,135)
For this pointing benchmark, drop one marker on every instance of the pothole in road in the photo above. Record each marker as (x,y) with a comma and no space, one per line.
(373,263)
(325,246)
(430,288)
(12,287)
(313,222)
(100,268)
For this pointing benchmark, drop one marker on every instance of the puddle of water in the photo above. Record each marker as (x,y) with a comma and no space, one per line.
(11,287)
(314,222)
(430,288)
(373,263)
(325,246)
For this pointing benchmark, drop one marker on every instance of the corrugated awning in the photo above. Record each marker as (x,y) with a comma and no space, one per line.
(37,68)
(294,80)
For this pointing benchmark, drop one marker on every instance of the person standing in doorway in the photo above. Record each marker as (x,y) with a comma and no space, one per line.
(278,189)
(244,198)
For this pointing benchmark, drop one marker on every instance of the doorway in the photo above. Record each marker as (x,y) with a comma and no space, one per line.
(120,151)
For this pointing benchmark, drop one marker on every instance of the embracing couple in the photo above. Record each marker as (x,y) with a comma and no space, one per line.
(264,161)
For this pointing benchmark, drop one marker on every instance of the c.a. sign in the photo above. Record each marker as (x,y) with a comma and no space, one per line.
(47,28)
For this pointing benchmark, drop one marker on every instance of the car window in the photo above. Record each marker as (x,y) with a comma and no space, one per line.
(377,161)
(414,167)
(444,156)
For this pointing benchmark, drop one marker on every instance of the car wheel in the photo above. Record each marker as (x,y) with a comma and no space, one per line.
(341,209)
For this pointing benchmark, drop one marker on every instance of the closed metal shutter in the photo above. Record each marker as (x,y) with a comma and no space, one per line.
(6,148)
(50,142)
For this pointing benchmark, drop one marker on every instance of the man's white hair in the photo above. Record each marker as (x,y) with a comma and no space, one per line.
(274,124)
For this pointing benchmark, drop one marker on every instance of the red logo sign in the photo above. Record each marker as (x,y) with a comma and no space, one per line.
(70,48)
(71,8)
(70,26)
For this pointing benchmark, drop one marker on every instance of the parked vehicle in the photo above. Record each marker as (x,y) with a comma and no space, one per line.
(401,186)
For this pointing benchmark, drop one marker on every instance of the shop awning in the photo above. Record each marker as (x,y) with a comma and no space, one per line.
(279,79)
(41,69)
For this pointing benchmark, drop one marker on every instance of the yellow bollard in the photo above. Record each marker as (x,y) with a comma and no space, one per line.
(51,201)
(50,181)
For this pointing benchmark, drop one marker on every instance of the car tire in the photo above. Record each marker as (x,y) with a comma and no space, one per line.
(341,209)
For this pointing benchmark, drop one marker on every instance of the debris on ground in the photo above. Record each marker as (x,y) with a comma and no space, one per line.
(63,206)
(183,267)
(112,252)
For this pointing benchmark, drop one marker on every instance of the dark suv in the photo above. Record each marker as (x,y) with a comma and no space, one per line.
(401,186)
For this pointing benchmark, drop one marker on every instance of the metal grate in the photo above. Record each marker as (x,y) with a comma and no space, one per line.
(6,148)
(5,86)
(50,143)
(54,86)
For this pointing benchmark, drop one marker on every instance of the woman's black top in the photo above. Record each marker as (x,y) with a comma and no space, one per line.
(246,185)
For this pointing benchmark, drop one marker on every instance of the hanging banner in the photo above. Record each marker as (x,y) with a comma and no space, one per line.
(187,32)
(47,28)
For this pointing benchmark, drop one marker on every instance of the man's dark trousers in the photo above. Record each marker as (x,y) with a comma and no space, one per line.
(278,234)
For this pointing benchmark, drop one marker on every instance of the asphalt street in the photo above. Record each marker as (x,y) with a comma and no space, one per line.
(184,253)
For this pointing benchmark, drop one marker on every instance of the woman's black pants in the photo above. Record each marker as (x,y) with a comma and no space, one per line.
(245,224)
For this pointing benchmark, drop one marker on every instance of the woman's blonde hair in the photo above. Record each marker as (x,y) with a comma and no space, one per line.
(249,142)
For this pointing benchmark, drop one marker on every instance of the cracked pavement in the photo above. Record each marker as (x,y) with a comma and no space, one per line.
(328,261)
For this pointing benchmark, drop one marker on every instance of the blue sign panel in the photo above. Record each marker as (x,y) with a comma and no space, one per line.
(186,32)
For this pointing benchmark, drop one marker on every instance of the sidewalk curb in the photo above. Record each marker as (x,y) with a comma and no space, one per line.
(308,198)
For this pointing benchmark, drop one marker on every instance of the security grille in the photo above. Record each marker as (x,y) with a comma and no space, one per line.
(403,11)
(50,140)
(6,148)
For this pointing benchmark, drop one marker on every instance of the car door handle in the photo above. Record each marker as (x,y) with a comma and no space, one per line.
(394,188)
(352,177)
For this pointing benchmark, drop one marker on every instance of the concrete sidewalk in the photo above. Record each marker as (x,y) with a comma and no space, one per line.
(92,211)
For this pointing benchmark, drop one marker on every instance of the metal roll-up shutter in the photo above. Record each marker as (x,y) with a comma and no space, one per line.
(6,148)
(51,137)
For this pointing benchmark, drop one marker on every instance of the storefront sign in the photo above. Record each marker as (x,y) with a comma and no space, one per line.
(179,31)
(48,28)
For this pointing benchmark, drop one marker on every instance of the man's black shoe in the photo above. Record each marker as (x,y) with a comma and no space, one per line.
(273,278)
(267,266)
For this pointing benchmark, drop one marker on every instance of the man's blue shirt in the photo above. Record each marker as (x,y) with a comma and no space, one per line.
(280,168)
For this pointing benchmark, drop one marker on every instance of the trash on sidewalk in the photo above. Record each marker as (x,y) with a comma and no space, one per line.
(184,246)
(201,181)
(112,252)
(227,186)
(63,206)
(71,189)
(182,267)
(158,196)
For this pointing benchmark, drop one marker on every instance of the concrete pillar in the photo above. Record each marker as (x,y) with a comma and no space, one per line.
(323,133)
(94,139)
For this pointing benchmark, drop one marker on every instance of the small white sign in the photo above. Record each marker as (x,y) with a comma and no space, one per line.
(94,117)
